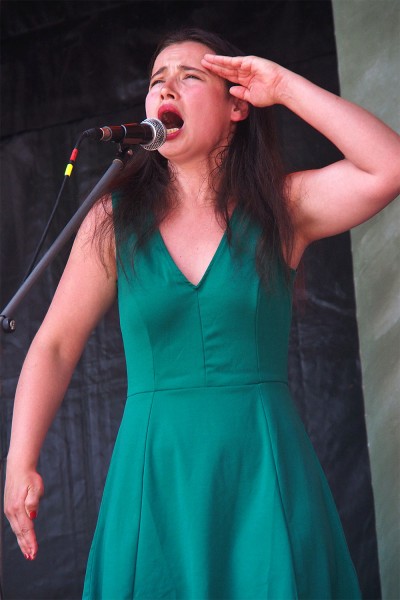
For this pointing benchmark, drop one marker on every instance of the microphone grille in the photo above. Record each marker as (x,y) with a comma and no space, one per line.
(159,137)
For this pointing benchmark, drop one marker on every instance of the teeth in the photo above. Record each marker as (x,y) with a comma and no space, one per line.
(173,130)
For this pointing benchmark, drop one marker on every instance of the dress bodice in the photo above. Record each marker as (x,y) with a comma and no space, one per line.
(227,329)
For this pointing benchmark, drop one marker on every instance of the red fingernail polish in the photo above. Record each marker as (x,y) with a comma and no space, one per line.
(33,514)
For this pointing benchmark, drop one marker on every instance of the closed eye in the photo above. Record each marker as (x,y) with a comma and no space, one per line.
(155,82)
(185,70)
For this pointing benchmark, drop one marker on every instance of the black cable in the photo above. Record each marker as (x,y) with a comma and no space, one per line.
(67,175)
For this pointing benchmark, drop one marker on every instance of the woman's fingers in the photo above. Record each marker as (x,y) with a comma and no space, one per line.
(25,533)
(32,501)
(21,508)
(257,79)
(225,61)
(225,66)
(23,528)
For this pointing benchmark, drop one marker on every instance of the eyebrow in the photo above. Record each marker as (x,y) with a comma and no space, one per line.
(180,67)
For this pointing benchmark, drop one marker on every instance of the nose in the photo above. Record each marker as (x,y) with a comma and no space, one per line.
(168,90)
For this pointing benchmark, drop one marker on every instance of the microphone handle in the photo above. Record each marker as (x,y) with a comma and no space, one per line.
(131,133)
(150,134)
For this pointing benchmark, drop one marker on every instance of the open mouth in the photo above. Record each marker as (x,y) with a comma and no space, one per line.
(172,121)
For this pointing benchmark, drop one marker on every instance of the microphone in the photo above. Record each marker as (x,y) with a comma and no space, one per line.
(150,134)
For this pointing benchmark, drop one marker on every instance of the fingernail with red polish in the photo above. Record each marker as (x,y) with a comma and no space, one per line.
(33,514)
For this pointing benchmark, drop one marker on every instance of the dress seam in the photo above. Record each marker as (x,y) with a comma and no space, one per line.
(279,487)
(201,387)
(141,496)
(202,341)
(256,329)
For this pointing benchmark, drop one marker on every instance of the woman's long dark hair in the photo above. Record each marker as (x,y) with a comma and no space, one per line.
(250,173)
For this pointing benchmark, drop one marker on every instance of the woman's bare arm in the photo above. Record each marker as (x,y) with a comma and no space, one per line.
(85,292)
(342,195)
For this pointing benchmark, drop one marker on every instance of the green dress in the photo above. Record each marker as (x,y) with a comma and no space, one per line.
(214,490)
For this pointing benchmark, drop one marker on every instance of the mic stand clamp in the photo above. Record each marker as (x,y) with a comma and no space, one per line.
(8,324)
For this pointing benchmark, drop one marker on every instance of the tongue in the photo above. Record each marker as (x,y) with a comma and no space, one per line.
(172,121)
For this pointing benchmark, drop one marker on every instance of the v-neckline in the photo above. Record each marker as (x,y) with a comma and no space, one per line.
(214,257)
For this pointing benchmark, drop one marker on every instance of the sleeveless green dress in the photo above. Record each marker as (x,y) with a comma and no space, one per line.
(214,490)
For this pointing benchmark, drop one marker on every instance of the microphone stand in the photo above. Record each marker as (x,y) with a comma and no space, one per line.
(7,321)
(8,324)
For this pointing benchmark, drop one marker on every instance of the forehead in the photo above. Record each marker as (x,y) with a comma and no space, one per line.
(188,53)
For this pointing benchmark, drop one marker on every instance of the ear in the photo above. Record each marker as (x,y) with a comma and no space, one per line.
(240,110)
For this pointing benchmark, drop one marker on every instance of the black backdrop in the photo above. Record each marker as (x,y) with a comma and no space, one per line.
(70,65)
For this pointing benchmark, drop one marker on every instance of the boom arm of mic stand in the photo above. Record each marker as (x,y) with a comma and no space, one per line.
(6,318)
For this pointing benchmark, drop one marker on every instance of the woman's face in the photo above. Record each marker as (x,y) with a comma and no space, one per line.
(194,105)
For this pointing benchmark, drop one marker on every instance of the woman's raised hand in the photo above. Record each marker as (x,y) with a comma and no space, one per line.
(257,80)
(21,503)
(342,195)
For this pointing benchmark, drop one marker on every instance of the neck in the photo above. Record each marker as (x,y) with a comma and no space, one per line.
(193,185)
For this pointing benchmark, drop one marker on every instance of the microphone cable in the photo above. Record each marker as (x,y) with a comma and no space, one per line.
(124,134)
(67,175)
